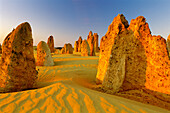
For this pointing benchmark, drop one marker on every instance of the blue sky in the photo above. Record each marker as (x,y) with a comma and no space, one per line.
(66,20)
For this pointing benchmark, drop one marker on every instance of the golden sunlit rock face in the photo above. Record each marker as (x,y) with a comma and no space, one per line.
(127,64)
(44,55)
(96,36)
(118,25)
(18,69)
(67,49)
(0,49)
(79,44)
(50,43)
(57,51)
(90,40)
(158,64)
(134,58)
(85,49)
(168,44)
(76,46)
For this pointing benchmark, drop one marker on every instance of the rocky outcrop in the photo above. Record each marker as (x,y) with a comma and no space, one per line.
(118,25)
(18,69)
(127,64)
(168,44)
(67,49)
(90,40)
(57,51)
(50,43)
(136,60)
(62,51)
(44,55)
(0,49)
(76,46)
(158,64)
(96,49)
(79,44)
(85,49)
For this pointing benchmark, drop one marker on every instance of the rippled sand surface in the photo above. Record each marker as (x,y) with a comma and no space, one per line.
(66,88)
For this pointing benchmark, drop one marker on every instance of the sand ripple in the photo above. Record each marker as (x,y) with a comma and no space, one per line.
(60,93)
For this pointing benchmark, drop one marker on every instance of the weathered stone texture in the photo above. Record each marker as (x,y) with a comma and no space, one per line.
(76,46)
(135,56)
(67,49)
(158,64)
(90,40)
(168,44)
(96,36)
(127,64)
(57,51)
(79,44)
(44,55)
(0,49)
(63,50)
(50,43)
(85,49)
(118,25)
(18,69)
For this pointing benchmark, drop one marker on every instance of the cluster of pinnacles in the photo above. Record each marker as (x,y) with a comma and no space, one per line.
(77,45)
(67,49)
(130,57)
(87,47)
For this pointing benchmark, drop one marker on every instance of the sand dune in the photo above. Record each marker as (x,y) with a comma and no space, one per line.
(63,88)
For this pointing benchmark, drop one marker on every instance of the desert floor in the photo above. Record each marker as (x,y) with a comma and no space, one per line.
(67,87)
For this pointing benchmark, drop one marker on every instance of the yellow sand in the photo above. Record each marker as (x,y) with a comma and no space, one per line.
(65,88)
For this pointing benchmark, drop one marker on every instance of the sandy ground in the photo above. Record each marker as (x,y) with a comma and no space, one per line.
(65,88)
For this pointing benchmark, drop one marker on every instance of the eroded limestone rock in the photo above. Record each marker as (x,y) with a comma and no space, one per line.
(168,44)
(18,69)
(118,25)
(85,49)
(76,46)
(50,43)
(67,49)
(57,51)
(44,55)
(127,64)
(96,49)
(147,63)
(79,44)
(0,49)
(90,40)
(158,64)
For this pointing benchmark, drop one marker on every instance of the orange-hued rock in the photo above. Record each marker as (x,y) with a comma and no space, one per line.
(96,36)
(137,60)
(79,44)
(127,64)
(63,50)
(0,49)
(168,44)
(90,40)
(44,55)
(118,25)
(158,64)
(57,51)
(67,49)
(50,43)
(85,49)
(76,46)
(18,69)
